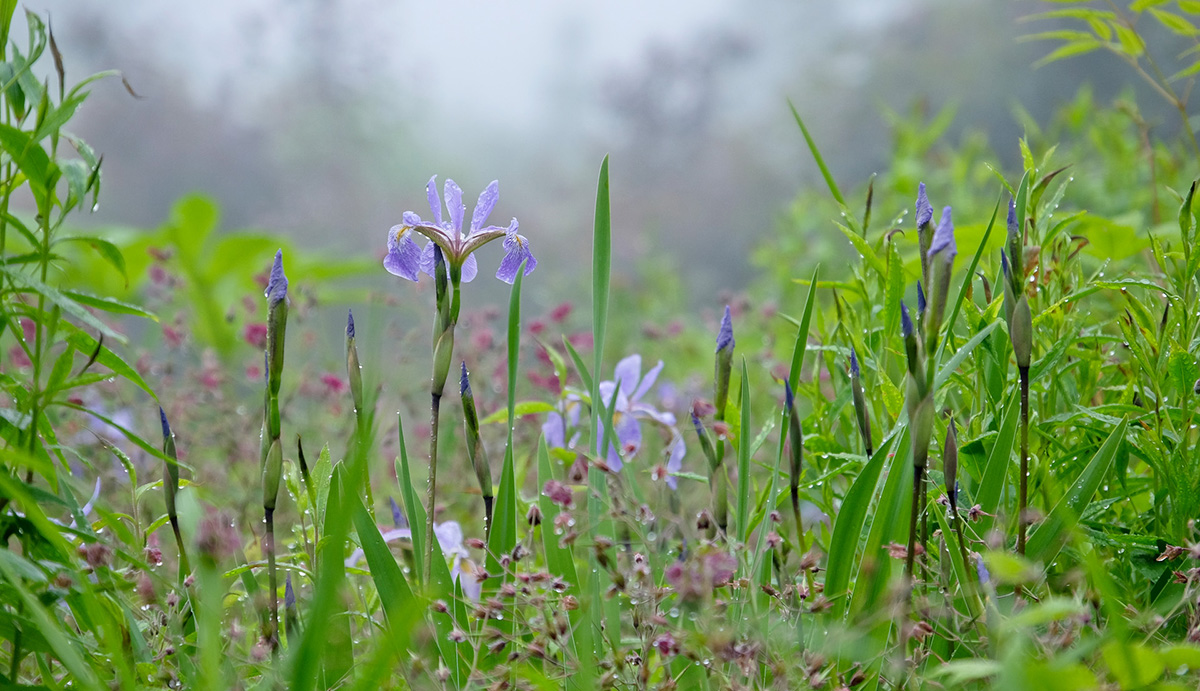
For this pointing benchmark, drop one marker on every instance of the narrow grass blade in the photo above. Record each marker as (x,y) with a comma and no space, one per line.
(960,355)
(816,154)
(801,346)
(961,572)
(584,375)
(1049,535)
(408,495)
(743,484)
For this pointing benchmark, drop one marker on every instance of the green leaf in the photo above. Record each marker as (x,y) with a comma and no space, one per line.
(743,453)
(1184,372)
(801,345)
(84,343)
(995,470)
(107,251)
(27,283)
(1131,42)
(948,369)
(849,522)
(109,304)
(816,154)
(1069,50)
(1133,665)
(1174,22)
(1048,536)
(864,249)
(523,408)
(401,608)
(502,534)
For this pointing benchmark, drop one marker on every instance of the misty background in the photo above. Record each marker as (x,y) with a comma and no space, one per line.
(323,120)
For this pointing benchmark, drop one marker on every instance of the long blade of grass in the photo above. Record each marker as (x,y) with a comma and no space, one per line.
(1048,537)
(816,154)
(743,449)
(961,354)
(597,504)
(503,536)
(408,495)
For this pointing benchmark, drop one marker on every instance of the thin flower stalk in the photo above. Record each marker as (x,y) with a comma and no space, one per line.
(1020,330)
(272,460)
(795,470)
(723,368)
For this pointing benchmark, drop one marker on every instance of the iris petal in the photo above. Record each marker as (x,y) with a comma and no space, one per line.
(404,257)
(454,204)
(435,204)
(483,207)
(516,249)
(470,269)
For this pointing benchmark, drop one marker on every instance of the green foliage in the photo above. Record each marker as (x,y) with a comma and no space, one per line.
(590,577)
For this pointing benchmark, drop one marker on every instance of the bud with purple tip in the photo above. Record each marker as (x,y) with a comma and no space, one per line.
(475,450)
(353,368)
(860,401)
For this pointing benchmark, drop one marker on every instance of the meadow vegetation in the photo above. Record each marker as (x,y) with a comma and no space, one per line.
(947,439)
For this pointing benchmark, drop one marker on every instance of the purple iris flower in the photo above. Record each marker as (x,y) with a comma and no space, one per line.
(630,386)
(406,260)
(920,299)
(676,450)
(559,422)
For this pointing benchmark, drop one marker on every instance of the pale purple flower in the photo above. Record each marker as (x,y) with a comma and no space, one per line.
(559,422)
(676,450)
(404,259)
(630,386)
(450,539)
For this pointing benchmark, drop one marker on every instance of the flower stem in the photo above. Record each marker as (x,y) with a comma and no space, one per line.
(1023,496)
(431,489)
(272,581)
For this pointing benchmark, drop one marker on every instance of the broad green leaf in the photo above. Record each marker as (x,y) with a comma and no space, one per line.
(849,522)
(1132,664)
(995,470)
(401,608)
